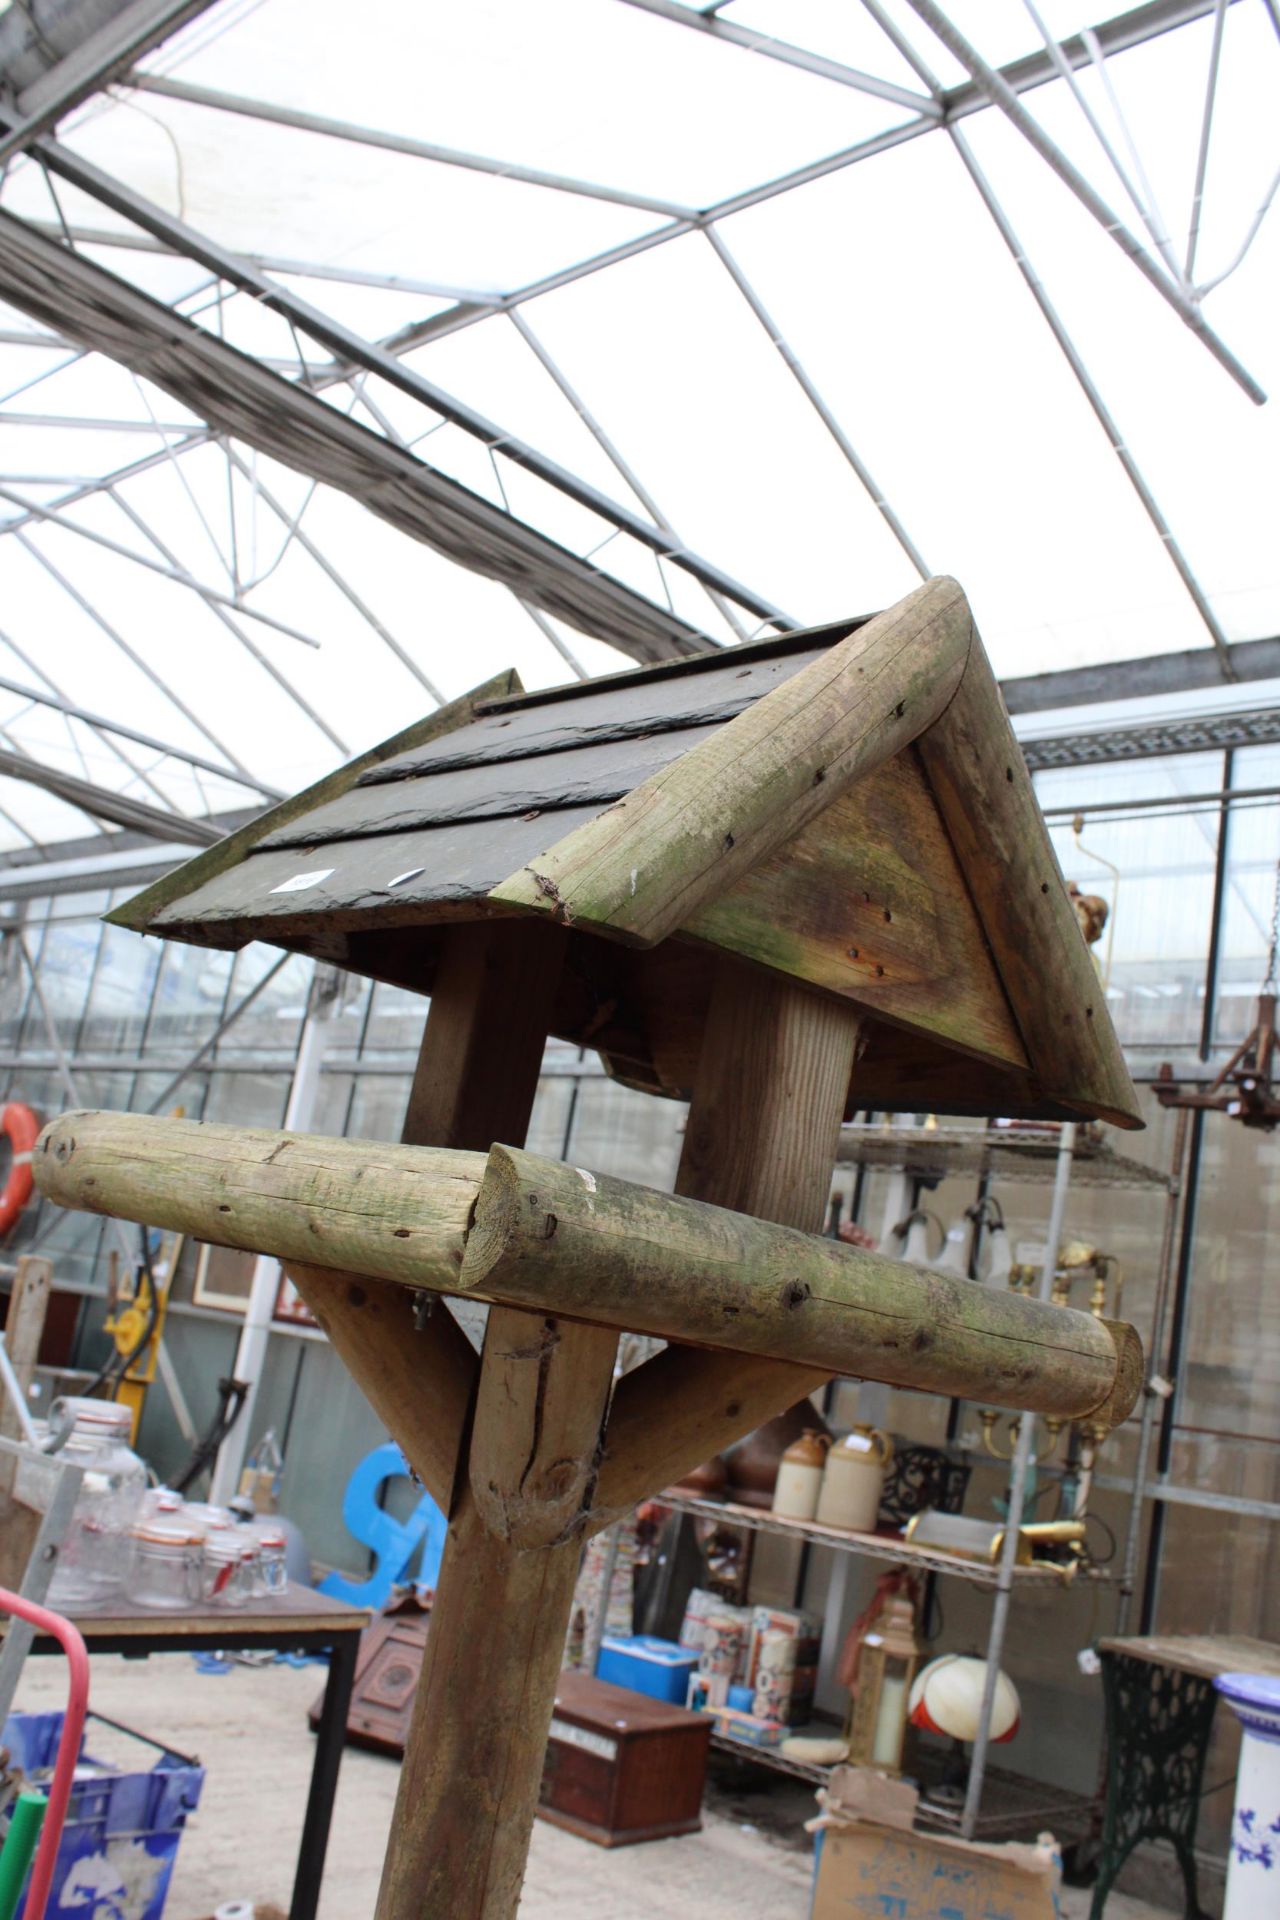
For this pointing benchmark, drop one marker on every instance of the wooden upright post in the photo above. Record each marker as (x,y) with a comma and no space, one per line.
(473,1761)
(764,1124)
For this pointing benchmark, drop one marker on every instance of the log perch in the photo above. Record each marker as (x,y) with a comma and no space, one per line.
(610,1251)
(521,1231)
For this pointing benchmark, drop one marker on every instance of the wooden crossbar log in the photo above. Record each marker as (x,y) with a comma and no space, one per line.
(520,1231)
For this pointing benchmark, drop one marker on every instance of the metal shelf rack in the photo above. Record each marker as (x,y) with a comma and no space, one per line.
(872,1546)
(1026,1154)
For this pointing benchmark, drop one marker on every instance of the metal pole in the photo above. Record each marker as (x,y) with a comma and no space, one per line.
(1017,1492)
(600,1618)
(793,364)
(178,574)
(251,1352)
(86,68)
(1159,1316)
(206,1046)
(380,140)
(1003,96)
(348,346)
(327,567)
(753,41)
(101,724)
(220,613)
(1094,397)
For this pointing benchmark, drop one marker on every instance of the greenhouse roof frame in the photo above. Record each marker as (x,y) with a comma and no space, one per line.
(617,579)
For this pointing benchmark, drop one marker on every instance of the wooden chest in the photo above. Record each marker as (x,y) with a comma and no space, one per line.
(621,1767)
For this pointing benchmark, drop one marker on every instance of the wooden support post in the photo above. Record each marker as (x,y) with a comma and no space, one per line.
(23,1327)
(473,1761)
(418,1378)
(764,1124)
(476,1077)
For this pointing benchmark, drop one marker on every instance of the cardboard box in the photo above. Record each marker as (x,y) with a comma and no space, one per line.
(871,1863)
(807,1631)
(747,1728)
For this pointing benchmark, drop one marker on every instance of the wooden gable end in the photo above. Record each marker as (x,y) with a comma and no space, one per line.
(868,901)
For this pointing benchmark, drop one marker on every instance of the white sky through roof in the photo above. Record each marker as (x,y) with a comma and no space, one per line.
(887,279)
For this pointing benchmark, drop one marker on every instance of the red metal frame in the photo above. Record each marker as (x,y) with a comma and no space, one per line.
(72,1644)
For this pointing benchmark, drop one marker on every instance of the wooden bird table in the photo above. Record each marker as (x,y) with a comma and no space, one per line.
(771,882)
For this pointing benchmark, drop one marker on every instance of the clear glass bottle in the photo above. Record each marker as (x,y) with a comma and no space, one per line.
(91,1564)
(270,1570)
(165,1565)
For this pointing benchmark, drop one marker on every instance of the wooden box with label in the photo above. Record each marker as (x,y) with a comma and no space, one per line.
(621,1767)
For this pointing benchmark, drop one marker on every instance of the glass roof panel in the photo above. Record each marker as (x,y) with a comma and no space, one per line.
(777,388)
(600,92)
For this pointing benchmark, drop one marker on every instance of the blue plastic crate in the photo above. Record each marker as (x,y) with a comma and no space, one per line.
(120,1841)
(659,1668)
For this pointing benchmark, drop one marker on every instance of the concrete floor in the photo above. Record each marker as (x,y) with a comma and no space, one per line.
(249,1729)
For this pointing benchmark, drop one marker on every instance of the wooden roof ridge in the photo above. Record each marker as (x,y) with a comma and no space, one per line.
(138,912)
(914,676)
(693,829)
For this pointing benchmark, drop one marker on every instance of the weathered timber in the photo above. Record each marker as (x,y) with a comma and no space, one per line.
(976,770)
(680,1409)
(472,1767)
(646,865)
(469,1785)
(398,1213)
(618,1255)
(23,1329)
(619,707)
(539,1422)
(768,1099)
(419,1379)
(139,911)
(769,1091)
(867,902)
(628,1256)
(580,777)
(482,1046)
(419,1375)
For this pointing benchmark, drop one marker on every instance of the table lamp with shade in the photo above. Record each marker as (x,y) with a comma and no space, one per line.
(946,1698)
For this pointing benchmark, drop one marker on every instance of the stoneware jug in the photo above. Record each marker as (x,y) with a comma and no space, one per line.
(853,1480)
(795,1492)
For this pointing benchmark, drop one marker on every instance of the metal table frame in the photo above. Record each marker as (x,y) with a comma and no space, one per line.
(336,1633)
(1160,1702)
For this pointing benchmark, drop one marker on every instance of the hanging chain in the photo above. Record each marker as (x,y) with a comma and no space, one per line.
(1271,984)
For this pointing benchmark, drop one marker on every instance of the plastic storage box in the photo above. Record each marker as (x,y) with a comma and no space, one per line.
(659,1668)
(123,1826)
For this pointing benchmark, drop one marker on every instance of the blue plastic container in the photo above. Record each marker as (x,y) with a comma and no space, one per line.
(120,1841)
(659,1668)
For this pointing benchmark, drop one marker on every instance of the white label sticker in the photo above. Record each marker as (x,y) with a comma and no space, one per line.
(301,881)
(597,1743)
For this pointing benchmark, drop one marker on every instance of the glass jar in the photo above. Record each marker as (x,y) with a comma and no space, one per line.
(208,1518)
(91,1564)
(270,1569)
(165,1568)
(162,1501)
(230,1568)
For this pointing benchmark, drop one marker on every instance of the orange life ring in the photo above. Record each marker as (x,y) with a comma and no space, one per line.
(22,1128)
